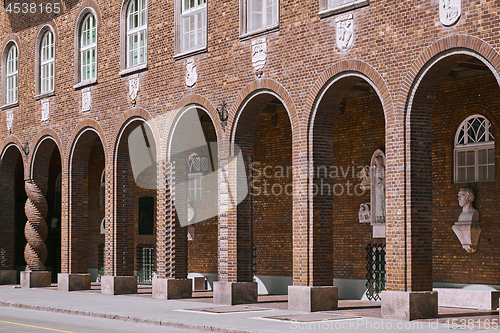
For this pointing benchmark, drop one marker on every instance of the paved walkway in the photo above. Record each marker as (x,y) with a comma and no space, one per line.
(270,314)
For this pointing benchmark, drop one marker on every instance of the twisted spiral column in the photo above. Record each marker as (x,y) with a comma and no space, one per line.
(35,252)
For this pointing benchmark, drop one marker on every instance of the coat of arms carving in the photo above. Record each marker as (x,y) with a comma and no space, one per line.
(133,88)
(259,55)
(344,31)
(10,120)
(45,110)
(86,101)
(449,11)
(191,74)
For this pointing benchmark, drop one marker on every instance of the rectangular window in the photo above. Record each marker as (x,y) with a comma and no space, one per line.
(12,75)
(88,49)
(332,7)
(195,187)
(475,165)
(47,63)
(193,25)
(261,14)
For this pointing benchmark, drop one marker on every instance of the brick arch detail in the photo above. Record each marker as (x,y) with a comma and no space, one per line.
(43,134)
(461,44)
(368,72)
(250,91)
(172,116)
(89,124)
(130,115)
(12,141)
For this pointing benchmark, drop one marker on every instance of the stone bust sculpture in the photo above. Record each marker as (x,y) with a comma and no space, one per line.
(465,199)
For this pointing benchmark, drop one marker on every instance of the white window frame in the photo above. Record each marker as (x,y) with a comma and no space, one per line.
(136,35)
(88,27)
(12,75)
(196,38)
(247,29)
(475,146)
(47,60)
(195,187)
(332,7)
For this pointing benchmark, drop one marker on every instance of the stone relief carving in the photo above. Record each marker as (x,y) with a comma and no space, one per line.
(191,74)
(190,212)
(468,227)
(45,110)
(259,55)
(344,31)
(449,11)
(378,187)
(10,120)
(364,213)
(86,102)
(133,88)
(364,176)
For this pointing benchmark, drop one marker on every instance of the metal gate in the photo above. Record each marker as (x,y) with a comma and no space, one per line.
(375,271)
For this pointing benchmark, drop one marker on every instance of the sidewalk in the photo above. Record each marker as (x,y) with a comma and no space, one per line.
(268,315)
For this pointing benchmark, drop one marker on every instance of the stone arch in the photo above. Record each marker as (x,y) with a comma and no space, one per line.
(45,134)
(85,125)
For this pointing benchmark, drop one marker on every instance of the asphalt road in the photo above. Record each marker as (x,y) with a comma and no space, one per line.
(29,321)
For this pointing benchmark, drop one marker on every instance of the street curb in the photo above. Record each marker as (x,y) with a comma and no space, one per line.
(158,322)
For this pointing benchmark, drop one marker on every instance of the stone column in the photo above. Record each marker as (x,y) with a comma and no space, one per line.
(35,252)
(173,282)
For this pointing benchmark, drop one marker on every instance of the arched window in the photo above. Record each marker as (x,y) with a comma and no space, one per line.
(137,40)
(11,75)
(47,63)
(88,48)
(102,190)
(474,150)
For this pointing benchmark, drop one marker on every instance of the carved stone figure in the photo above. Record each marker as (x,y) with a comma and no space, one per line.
(364,213)
(190,211)
(86,101)
(259,55)
(191,74)
(345,30)
(45,110)
(364,175)
(378,187)
(133,88)
(468,227)
(449,11)
(10,120)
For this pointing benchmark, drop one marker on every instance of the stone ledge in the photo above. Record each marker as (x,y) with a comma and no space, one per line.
(313,298)
(73,282)
(35,279)
(118,285)
(234,293)
(468,298)
(172,288)
(410,305)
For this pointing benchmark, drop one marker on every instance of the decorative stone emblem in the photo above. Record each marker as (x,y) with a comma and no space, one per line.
(191,74)
(133,88)
(45,110)
(10,120)
(377,195)
(364,176)
(86,101)
(259,55)
(468,227)
(449,11)
(364,213)
(344,31)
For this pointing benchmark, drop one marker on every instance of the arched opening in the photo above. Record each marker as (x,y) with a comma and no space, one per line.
(453,103)
(46,174)
(86,247)
(263,134)
(347,133)
(193,153)
(12,215)
(136,196)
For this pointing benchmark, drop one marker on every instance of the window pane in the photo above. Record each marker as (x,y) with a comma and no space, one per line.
(481,156)
(471,174)
(461,175)
(461,158)
(491,156)
(470,158)
(483,173)
(491,172)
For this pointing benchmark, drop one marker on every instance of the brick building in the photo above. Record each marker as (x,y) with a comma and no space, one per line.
(115,111)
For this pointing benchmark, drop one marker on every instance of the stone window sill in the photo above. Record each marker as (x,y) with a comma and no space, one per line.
(260,32)
(10,105)
(344,8)
(134,69)
(190,53)
(45,95)
(85,83)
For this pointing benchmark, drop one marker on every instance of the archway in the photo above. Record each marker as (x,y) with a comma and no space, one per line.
(346,129)
(263,134)
(12,216)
